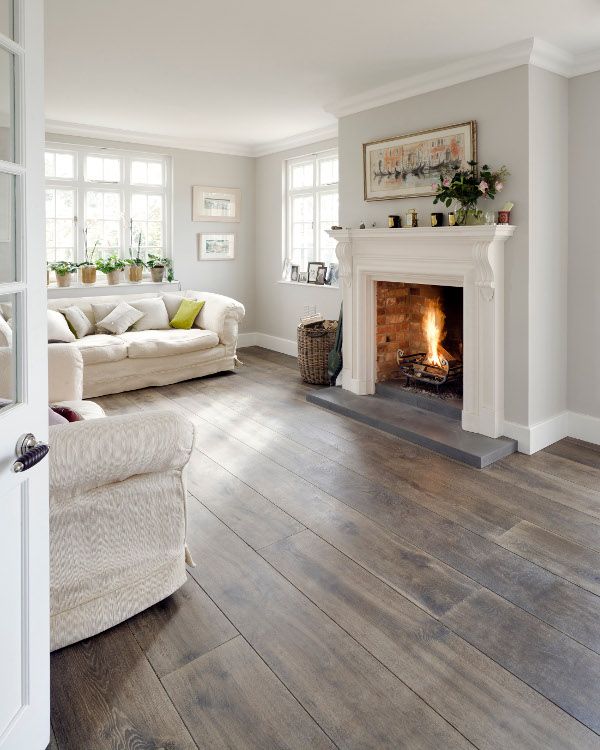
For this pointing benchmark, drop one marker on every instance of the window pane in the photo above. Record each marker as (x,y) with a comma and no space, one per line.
(6,18)
(65,166)
(139,172)
(146,172)
(154,236)
(103,220)
(302,208)
(155,173)
(60,224)
(7,137)
(155,207)
(7,228)
(139,207)
(102,169)
(302,176)
(50,164)
(8,362)
(328,171)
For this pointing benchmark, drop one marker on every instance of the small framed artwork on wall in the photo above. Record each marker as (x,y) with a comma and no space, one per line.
(216,246)
(216,204)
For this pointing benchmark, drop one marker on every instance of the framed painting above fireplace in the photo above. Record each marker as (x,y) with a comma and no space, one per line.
(406,166)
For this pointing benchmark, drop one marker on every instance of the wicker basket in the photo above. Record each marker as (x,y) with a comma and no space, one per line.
(314,344)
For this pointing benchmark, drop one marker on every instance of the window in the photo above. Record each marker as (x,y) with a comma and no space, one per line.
(120,197)
(312,208)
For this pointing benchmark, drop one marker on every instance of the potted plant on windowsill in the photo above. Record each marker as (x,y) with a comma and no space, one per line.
(62,270)
(158,266)
(111,267)
(88,267)
(135,264)
(466,187)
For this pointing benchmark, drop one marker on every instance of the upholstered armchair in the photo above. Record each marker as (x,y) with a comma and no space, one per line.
(117,509)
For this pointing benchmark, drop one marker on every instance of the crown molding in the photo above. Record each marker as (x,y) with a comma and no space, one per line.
(295,141)
(146,139)
(58,127)
(531,51)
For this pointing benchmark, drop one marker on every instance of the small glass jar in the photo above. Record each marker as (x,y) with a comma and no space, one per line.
(412,218)
(451,219)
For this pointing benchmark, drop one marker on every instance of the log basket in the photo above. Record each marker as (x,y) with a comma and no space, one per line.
(314,344)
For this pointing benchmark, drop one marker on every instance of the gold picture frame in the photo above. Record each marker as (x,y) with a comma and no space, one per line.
(406,166)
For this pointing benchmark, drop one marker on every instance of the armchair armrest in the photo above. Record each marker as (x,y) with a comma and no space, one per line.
(65,373)
(220,314)
(90,454)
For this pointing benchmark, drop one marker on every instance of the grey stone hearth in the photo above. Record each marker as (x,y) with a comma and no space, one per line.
(439,432)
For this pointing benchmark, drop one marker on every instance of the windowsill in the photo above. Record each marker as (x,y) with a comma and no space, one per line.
(104,285)
(305,284)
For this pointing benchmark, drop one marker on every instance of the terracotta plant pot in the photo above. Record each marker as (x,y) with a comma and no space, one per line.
(63,279)
(157,273)
(113,277)
(88,274)
(135,273)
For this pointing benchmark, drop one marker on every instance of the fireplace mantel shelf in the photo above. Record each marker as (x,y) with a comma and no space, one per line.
(469,257)
(485,232)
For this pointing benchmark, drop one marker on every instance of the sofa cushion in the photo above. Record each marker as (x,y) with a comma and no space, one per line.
(121,318)
(99,311)
(155,315)
(101,347)
(186,314)
(5,333)
(78,321)
(58,330)
(141,344)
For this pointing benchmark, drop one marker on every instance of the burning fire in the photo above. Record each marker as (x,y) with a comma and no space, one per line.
(433,328)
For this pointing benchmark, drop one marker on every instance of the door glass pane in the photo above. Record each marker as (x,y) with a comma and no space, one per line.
(7,228)
(7,350)
(7,130)
(6,18)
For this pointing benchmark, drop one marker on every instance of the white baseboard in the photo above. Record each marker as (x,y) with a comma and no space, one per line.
(275,343)
(584,427)
(540,435)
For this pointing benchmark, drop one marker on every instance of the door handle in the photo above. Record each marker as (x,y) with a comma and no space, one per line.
(29,452)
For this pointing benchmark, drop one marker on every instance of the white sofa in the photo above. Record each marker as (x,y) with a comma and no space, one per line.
(117,509)
(137,359)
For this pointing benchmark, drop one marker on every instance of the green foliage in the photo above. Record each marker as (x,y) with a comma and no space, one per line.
(155,261)
(109,264)
(62,267)
(467,186)
(135,260)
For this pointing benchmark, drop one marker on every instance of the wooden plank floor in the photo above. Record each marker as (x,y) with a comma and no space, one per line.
(351,590)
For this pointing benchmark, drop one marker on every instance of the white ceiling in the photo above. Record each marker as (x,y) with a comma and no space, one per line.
(248,72)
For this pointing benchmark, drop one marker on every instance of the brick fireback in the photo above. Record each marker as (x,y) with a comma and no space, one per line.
(400,309)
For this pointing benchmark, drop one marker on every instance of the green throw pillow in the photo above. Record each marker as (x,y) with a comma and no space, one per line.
(186,314)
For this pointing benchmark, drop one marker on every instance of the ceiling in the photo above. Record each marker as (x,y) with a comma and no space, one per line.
(244,73)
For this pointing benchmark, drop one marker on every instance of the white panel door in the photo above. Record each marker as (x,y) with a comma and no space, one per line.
(24,615)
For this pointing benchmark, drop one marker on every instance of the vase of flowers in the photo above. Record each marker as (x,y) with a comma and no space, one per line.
(466,187)
(111,267)
(135,263)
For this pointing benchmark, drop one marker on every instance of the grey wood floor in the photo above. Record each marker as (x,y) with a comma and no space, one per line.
(351,590)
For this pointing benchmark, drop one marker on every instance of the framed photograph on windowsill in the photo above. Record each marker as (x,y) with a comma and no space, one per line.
(216,204)
(313,271)
(216,246)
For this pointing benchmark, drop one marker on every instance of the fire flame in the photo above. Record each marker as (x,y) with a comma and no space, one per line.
(433,328)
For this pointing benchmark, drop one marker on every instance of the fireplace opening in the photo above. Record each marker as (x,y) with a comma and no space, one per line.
(420,337)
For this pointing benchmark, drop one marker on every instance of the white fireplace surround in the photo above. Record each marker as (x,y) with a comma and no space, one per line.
(468,257)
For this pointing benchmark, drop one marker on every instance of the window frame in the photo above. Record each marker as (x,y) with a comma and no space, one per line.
(315,191)
(124,187)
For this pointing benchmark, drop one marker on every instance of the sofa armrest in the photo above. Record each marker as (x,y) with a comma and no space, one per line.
(90,454)
(220,314)
(65,373)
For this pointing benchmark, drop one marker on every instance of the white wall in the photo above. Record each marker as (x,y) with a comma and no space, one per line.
(583,392)
(548,246)
(280,305)
(234,278)
(499,104)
